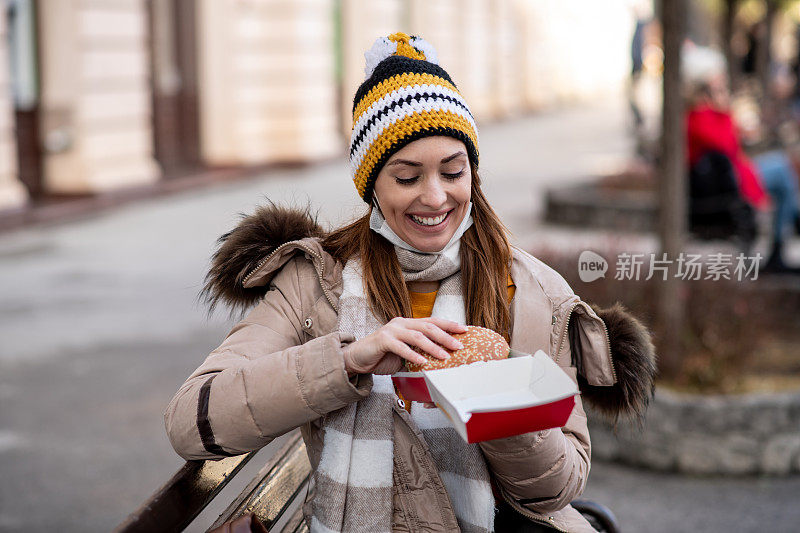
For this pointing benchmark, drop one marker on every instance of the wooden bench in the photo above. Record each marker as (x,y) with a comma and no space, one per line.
(269,495)
(278,487)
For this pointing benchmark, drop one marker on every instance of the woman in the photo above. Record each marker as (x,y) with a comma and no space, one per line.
(334,314)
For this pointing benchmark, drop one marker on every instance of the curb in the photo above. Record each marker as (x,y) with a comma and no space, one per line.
(703,435)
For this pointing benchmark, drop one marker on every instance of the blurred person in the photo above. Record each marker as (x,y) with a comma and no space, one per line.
(637,69)
(795,70)
(750,58)
(335,313)
(768,180)
(642,19)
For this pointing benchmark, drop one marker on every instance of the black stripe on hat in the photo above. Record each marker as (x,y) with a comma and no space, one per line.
(397,103)
(393,65)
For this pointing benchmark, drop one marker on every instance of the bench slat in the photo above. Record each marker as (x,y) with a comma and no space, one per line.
(271,492)
(184,496)
(297,523)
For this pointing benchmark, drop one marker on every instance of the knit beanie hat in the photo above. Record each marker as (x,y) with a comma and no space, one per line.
(406,96)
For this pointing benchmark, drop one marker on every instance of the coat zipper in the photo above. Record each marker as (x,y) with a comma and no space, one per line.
(608,343)
(564,332)
(264,261)
(528,514)
(605,330)
(318,267)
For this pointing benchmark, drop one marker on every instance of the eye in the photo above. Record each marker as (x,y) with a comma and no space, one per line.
(405,181)
(453,176)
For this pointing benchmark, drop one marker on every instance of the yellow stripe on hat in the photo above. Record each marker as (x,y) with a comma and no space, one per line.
(396,82)
(404,128)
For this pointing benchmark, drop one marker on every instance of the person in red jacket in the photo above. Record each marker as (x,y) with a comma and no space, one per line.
(768,180)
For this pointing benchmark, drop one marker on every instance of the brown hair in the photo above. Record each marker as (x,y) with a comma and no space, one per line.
(485,261)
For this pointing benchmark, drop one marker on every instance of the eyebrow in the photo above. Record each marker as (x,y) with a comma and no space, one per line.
(418,164)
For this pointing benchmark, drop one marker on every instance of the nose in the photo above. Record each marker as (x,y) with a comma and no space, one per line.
(433,193)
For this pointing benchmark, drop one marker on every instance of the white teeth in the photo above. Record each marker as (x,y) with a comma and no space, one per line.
(428,221)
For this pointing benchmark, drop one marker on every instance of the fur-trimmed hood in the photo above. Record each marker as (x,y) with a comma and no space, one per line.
(241,250)
(244,250)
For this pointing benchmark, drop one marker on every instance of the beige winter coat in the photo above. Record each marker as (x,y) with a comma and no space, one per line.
(281,368)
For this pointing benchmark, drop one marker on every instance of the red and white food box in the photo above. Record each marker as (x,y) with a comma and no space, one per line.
(412,386)
(496,399)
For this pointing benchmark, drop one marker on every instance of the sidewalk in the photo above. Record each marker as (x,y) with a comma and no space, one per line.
(99,326)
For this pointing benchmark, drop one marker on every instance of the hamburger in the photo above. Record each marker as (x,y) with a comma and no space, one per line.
(480,344)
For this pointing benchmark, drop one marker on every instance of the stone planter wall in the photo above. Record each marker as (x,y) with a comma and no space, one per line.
(590,206)
(731,435)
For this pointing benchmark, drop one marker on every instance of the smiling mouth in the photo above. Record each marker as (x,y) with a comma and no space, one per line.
(430,222)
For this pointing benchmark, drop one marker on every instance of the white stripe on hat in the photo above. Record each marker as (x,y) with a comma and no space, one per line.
(400,94)
(396,115)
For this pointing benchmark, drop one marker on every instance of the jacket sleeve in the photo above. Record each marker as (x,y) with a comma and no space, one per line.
(261,382)
(544,471)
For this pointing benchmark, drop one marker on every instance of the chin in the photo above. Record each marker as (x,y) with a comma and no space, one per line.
(430,246)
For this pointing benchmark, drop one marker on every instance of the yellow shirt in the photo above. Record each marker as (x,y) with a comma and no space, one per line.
(422,302)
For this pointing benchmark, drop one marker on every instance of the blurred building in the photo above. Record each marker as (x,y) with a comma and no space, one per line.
(101,95)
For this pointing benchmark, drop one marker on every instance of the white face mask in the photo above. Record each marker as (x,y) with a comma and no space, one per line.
(379,225)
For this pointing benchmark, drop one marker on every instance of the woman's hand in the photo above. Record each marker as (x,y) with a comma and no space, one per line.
(383,351)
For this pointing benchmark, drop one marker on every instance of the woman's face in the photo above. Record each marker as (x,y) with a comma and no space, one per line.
(424,190)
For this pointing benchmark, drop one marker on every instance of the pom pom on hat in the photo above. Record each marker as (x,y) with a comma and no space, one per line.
(700,63)
(398,44)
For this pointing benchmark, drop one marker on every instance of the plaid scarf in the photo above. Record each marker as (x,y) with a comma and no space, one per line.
(353,482)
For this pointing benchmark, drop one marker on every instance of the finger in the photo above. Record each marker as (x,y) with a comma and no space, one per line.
(401,349)
(417,338)
(447,325)
(438,335)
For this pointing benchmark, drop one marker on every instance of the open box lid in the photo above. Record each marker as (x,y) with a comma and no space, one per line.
(523,384)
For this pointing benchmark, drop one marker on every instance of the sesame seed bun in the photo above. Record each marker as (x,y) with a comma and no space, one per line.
(480,344)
